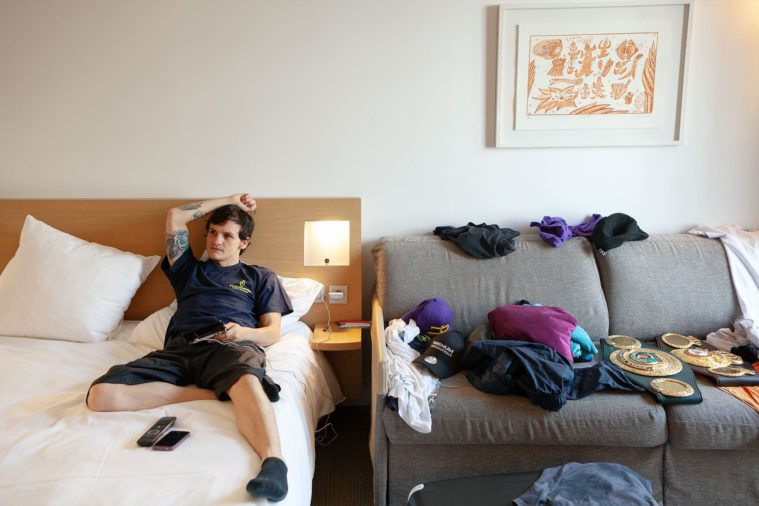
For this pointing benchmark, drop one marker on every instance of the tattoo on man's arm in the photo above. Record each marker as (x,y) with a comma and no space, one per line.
(176,243)
(196,205)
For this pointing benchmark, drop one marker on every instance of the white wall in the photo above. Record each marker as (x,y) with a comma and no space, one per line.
(387,100)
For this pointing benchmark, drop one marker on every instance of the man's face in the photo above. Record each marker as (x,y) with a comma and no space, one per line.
(223,243)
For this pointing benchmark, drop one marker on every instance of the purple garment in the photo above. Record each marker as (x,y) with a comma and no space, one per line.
(586,229)
(547,325)
(555,231)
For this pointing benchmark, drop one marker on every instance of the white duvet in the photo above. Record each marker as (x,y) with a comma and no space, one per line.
(53,450)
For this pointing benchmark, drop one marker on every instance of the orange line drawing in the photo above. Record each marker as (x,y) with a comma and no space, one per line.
(631,72)
(599,90)
(649,74)
(587,60)
(580,73)
(557,68)
(606,68)
(548,49)
(573,54)
(604,46)
(556,98)
(619,89)
(626,50)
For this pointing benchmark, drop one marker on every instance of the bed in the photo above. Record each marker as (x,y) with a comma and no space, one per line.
(54,450)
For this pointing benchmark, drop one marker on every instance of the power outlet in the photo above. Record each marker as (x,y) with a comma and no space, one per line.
(338,294)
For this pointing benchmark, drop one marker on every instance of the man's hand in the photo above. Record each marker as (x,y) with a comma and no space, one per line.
(244,201)
(234,332)
(177,235)
(268,333)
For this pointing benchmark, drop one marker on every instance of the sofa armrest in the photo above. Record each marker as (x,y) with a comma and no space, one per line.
(379,381)
(377,438)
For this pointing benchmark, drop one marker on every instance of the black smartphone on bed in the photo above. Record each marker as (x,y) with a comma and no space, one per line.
(171,440)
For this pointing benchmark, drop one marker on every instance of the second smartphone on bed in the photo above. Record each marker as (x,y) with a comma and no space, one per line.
(171,440)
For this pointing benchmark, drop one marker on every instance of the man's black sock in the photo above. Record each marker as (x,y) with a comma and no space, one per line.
(271,389)
(271,482)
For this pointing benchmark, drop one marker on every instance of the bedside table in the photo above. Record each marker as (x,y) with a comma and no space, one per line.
(342,347)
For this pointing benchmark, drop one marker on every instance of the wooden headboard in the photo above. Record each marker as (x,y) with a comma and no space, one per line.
(137,226)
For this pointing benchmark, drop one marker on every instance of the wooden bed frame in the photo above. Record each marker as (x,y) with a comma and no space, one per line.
(137,225)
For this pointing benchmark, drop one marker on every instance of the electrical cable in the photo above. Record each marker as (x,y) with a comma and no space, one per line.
(463,383)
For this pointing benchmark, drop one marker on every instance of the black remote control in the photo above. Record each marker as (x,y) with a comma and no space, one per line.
(156,431)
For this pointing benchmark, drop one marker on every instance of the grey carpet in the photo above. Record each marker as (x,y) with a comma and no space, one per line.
(343,468)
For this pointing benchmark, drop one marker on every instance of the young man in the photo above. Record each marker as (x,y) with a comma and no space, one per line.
(248,300)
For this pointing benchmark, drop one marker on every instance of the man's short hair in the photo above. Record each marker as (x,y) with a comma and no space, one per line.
(234,214)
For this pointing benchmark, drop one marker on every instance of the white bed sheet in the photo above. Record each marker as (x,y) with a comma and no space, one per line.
(54,450)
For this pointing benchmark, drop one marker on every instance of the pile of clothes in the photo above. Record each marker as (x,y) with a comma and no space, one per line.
(524,349)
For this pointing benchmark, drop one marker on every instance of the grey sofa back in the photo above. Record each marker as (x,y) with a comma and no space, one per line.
(668,283)
(414,268)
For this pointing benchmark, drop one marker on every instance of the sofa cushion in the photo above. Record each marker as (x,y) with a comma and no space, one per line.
(668,283)
(464,414)
(414,268)
(720,422)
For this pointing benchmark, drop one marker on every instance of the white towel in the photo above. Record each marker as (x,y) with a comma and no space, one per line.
(742,250)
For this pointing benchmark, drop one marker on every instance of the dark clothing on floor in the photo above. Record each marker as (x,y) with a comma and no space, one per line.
(596,483)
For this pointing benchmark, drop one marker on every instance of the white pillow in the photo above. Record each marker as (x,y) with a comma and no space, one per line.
(151,331)
(58,286)
(302,292)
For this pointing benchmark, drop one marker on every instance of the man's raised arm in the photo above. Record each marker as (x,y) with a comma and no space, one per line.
(177,235)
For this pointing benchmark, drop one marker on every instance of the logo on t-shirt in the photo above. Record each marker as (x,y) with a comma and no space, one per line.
(241,287)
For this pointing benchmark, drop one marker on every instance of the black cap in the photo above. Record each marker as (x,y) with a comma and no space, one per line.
(613,230)
(443,356)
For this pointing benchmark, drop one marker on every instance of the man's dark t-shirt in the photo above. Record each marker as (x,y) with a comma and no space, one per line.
(207,293)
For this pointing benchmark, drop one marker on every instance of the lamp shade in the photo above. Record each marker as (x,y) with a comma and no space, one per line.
(326,243)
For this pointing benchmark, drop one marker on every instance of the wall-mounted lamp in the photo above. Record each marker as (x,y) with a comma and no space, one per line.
(326,243)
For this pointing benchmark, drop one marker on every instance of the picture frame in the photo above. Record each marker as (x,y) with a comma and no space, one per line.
(603,73)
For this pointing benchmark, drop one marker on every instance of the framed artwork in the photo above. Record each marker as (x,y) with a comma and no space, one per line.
(605,73)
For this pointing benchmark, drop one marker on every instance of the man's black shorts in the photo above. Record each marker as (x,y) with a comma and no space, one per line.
(206,365)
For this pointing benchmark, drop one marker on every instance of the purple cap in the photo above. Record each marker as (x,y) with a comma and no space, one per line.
(432,316)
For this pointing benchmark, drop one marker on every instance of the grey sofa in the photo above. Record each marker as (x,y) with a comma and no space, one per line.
(693,454)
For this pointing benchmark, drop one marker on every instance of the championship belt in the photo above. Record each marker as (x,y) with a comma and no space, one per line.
(702,358)
(647,362)
(623,342)
(661,373)
(674,340)
(723,368)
